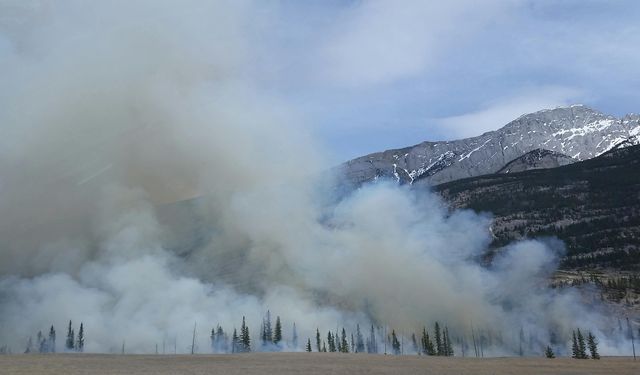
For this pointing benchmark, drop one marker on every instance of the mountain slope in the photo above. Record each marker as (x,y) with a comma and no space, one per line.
(577,131)
(593,206)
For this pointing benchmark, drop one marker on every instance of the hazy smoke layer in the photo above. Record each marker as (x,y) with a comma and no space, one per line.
(114,110)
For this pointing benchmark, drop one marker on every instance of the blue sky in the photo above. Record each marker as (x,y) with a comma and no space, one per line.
(373,75)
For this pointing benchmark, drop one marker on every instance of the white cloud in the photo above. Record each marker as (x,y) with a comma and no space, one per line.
(381,41)
(500,111)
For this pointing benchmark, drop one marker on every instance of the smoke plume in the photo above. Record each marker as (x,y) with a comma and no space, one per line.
(116,114)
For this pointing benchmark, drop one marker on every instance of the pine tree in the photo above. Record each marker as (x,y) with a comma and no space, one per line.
(80,342)
(592,342)
(42,343)
(427,344)
(445,343)
(521,337)
(448,348)
(267,333)
(330,342)
(359,340)
(353,344)
(277,335)
(318,339)
(582,347)
(308,348)
(52,340)
(395,344)
(70,338)
(235,342)
(372,345)
(324,347)
(344,345)
(294,337)
(218,340)
(214,337)
(549,352)
(575,352)
(414,342)
(439,347)
(223,346)
(245,339)
(29,348)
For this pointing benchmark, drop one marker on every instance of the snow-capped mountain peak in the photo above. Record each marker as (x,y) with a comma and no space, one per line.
(576,131)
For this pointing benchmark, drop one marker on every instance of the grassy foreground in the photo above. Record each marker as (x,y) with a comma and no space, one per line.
(307,363)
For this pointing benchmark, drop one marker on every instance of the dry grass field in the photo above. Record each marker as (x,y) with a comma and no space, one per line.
(305,363)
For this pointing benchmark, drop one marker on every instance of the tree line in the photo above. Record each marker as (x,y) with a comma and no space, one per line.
(47,343)
(435,342)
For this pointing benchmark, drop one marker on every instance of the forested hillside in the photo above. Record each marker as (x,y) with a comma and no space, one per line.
(593,206)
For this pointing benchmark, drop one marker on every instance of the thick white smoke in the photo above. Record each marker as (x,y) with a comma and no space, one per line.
(114,111)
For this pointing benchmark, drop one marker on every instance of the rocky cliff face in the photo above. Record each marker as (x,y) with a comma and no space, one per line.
(537,159)
(577,131)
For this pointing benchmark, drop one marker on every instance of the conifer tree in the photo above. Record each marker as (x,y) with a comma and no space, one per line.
(395,344)
(213,339)
(235,342)
(439,347)
(308,348)
(592,342)
(277,334)
(324,347)
(222,340)
(331,342)
(359,340)
(427,345)
(575,352)
(245,338)
(344,345)
(353,344)
(52,340)
(414,343)
(80,342)
(263,336)
(318,339)
(42,343)
(29,348)
(267,332)
(70,338)
(582,347)
(219,340)
(448,348)
(549,352)
(294,336)
(372,345)
(445,343)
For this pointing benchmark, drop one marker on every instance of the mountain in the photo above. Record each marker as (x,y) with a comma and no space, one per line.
(593,206)
(576,131)
(537,159)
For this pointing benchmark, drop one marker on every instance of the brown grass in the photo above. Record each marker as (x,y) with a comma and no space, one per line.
(305,363)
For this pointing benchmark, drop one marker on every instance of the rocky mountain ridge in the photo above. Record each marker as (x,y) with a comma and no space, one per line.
(577,131)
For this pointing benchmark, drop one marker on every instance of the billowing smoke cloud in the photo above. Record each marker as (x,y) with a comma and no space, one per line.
(112,113)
